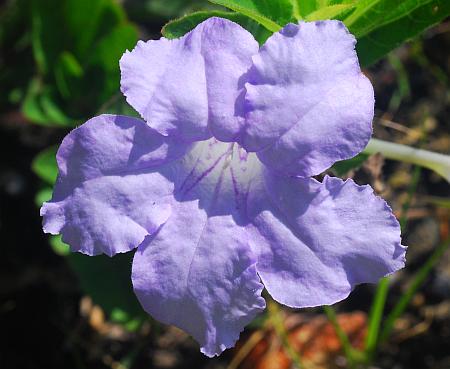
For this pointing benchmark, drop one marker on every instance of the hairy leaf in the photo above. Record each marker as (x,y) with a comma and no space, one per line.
(271,14)
(181,26)
(337,11)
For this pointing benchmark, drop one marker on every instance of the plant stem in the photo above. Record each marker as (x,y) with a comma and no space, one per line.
(440,163)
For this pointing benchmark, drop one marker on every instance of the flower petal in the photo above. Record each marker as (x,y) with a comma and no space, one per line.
(108,196)
(198,272)
(190,86)
(308,104)
(318,240)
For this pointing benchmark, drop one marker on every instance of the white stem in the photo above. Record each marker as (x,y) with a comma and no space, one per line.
(438,162)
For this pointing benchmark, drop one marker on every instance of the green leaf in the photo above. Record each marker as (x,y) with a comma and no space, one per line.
(106,280)
(36,42)
(104,17)
(103,63)
(66,69)
(31,106)
(373,14)
(59,247)
(118,105)
(70,25)
(77,45)
(303,8)
(43,195)
(344,166)
(44,165)
(379,25)
(130,322)
(40,107)
(181,26)
(399,26)
(272,14)
(110,48)
(52,111)
(338,11)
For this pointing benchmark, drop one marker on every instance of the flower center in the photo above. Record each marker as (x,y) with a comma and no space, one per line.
(215,169)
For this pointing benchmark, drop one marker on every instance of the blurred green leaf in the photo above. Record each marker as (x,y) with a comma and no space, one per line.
(104,17)
(130,322)
(77,45)
(181,26)
(110,47)
(31,107)
(39,106)
(66,68)
(59,247)
(71,25)
(38,50)
(107,281)
(105,58)
(43,195)
(52,111)
(44,165)
(272,14)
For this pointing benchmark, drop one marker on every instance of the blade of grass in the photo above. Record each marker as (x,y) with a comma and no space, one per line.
(417,171)
(245,350)
(377,309)
(375,316)
(351,354)
(278,325)
(403,90)
(417,282)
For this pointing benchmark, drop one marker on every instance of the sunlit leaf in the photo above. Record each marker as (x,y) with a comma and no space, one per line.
(43,195)
(303,8)
(391,29)
(44,165)
(338,11)
(272,14)
(181,26)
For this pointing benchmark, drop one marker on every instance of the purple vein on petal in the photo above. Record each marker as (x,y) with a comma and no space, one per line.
(203,174)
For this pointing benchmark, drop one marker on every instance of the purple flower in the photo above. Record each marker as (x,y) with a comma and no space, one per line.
(214,187)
